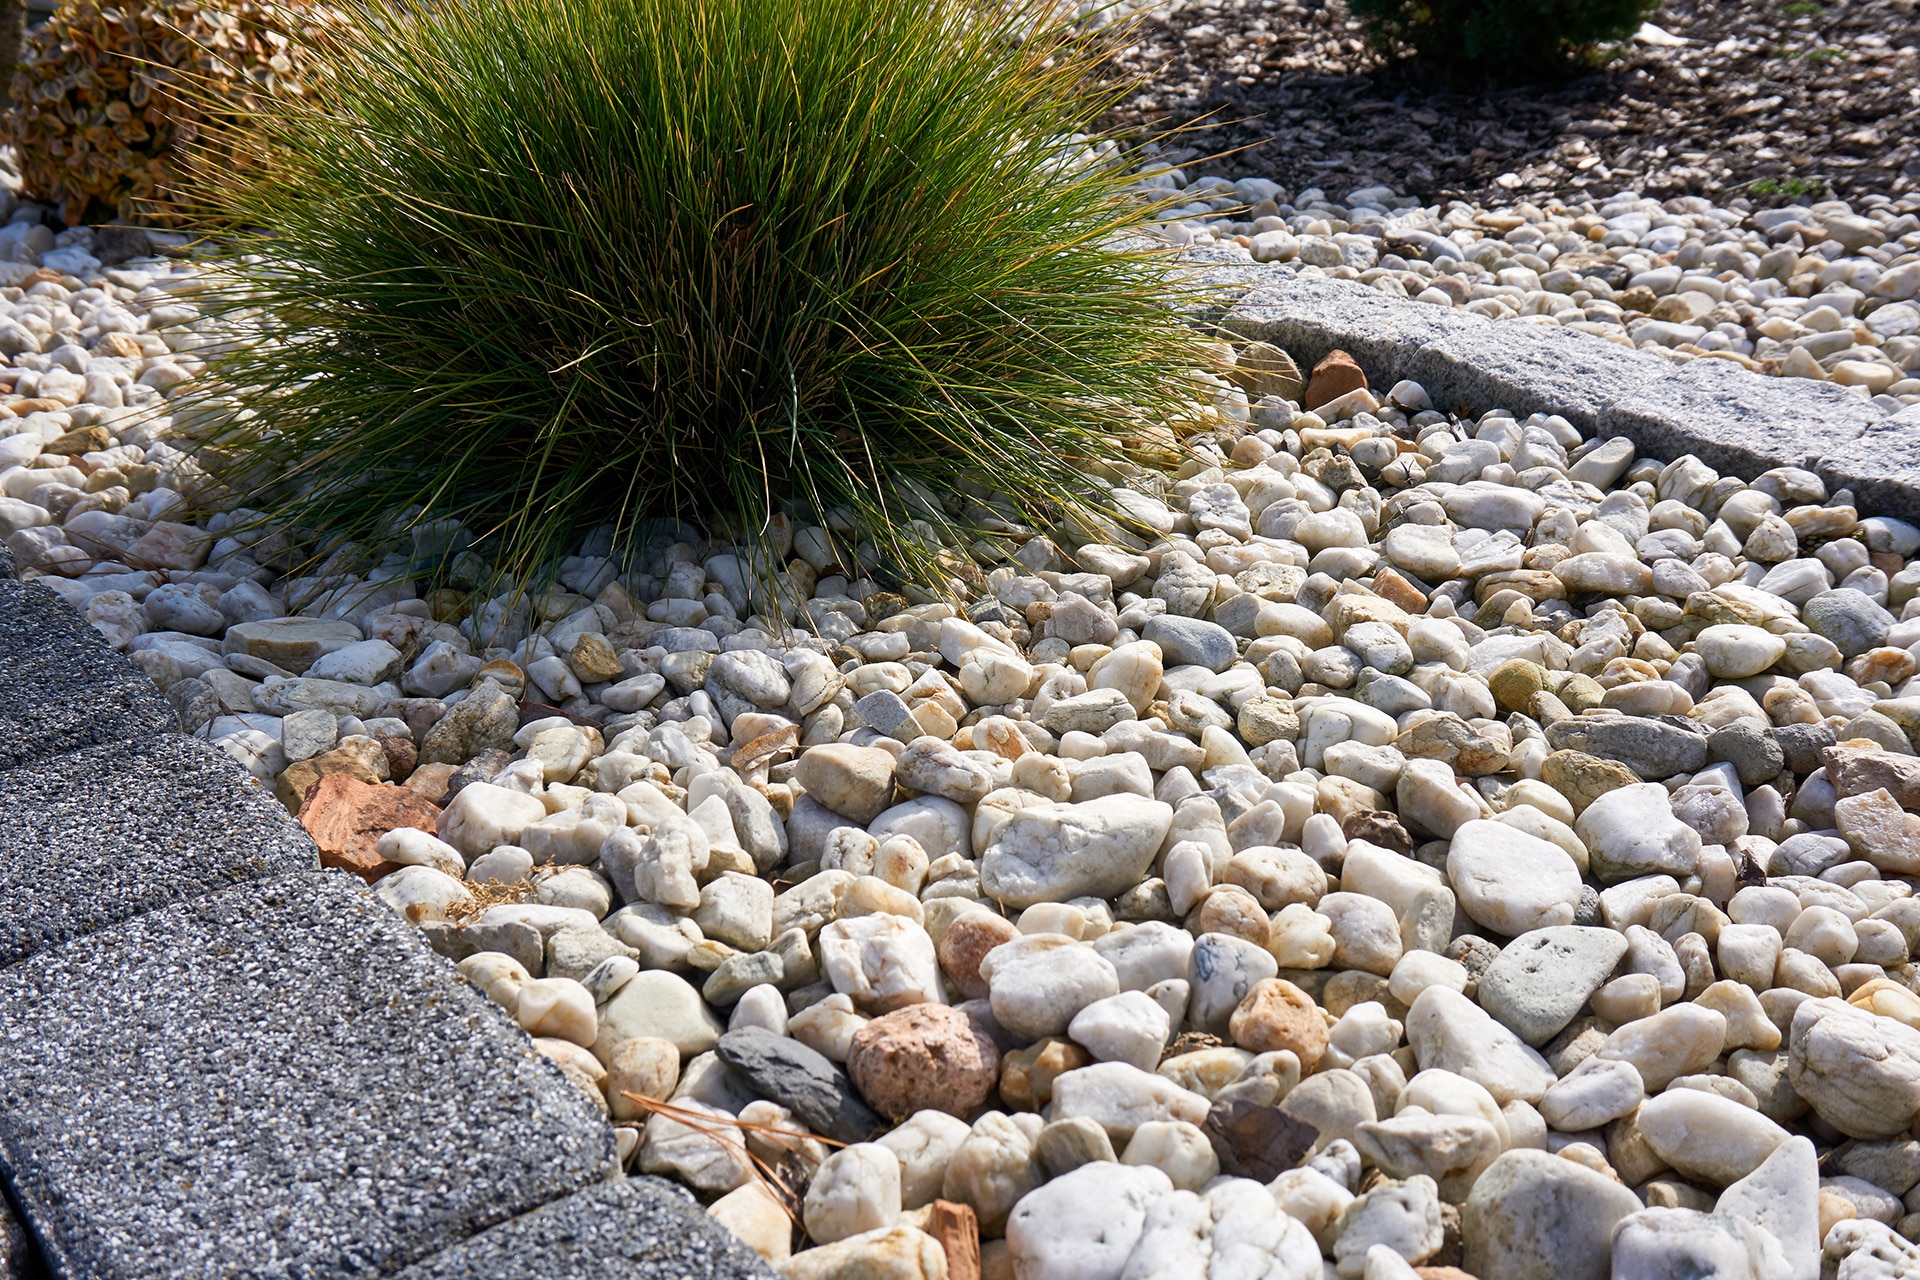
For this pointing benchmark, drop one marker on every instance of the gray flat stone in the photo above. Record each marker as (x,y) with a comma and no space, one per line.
(61,687)
(1654,747)
(803,1080)
(1309,316)
(278,1080)
(1738,422)
(1881,465)
(1529,369)
(93,837)
(1192,641)
(1536,985)
(633,1229)
(1853,620)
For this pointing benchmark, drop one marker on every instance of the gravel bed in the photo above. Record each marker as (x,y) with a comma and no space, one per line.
(1759,91)
(1828,291)
(1420,843)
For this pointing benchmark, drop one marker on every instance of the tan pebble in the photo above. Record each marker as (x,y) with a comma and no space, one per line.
(644,1065)
(1232,910)
(1276,1015)
(1027,1075)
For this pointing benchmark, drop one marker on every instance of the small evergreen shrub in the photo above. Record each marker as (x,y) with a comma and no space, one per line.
(1502,39)
(536,266)
(105,96)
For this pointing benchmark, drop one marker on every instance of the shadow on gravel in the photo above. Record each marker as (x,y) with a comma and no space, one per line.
(1800,96)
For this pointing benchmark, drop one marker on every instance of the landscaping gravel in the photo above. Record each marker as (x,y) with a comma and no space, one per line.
(1827,291)
(1760,98)
(1410,841)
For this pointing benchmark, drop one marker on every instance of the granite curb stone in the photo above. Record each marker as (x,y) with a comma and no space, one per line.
(1309,317)
(61,687)
(91,838)
(278,1080)
(1881,465)
(18,1260)
(1738,421)
(640,1228)
(1530,368)
(1731,418)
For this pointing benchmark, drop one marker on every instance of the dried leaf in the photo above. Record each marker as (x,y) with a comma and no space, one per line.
(1257,1142)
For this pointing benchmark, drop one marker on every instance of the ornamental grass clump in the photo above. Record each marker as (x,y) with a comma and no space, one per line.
(542,265)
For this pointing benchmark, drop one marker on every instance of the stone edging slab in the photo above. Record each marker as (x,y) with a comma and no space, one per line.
(224,1062)
(1729,417)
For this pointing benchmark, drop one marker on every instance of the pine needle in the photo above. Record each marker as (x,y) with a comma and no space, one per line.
(778,1183)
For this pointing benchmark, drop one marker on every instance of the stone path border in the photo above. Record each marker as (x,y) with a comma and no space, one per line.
(221,1062)
(1732,419)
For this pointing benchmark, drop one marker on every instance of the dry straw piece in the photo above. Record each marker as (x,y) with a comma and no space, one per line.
(106,96)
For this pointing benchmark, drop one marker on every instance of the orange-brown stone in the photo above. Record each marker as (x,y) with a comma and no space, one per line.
(402,755)
(345,816)
(925,1057)
(1278,1015)
(958,1230)
(1332,378)
(1390,585)
(966,943)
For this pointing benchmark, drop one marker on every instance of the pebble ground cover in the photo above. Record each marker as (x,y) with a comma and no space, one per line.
(1820,291)
(1793,95)
(1433,846)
